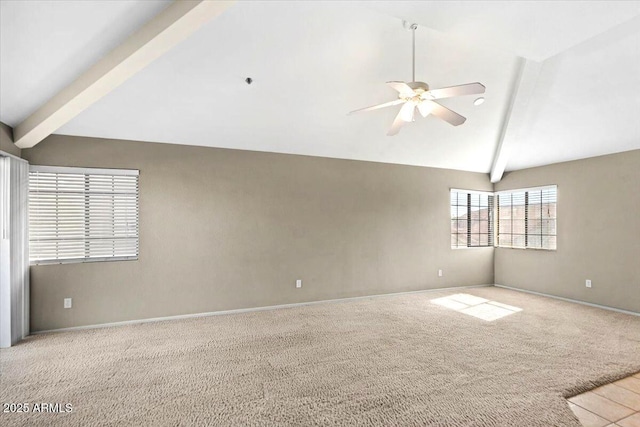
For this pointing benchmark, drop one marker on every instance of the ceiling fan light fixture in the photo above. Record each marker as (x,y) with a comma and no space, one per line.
(425,108)
(407,110)
(478,101)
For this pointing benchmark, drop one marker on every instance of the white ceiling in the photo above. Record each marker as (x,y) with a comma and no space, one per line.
(312,62)
(535,30)
(587,102)
(46,45)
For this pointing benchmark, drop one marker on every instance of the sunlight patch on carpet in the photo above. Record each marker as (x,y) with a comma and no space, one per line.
(477,307)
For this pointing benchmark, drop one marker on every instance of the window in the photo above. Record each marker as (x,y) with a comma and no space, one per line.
(527,218)
(80,215)
(471,219)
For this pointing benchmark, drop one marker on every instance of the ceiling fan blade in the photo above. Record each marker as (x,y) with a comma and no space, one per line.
(397,124)
(402,88)
(425,108)
(448,92)
(375,107)
(445,114)
(405,115)
(407,111)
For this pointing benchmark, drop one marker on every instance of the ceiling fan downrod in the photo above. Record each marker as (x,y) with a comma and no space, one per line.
(413,56)
(418,87)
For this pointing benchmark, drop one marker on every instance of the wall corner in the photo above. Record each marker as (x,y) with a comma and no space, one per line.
(6,141)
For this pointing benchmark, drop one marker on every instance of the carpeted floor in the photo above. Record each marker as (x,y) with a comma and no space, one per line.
(385,361)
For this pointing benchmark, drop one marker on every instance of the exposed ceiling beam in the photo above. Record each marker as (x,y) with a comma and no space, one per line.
(171,26)
(523,87)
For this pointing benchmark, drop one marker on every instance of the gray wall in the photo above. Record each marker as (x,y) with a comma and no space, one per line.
(598,233)
(224,229)
(6,140)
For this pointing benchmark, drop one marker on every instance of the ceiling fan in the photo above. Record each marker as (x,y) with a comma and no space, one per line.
(417,95)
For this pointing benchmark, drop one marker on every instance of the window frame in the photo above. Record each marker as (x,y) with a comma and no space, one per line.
(526,192)
(490,218)
(61,170)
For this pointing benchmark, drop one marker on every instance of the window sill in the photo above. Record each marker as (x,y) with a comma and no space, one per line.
(529,249)
(472,247)
(82,260)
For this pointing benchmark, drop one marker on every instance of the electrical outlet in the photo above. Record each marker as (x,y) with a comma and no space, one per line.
(299,283)
(439,273)
(587,283)
(67,303)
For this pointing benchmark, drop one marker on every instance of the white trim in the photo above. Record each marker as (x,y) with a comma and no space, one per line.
(516,190)
(488,193)
(604,307)
(522,89)
(78,260)
(83,171)
(301,304)
(464,248)
(245,310)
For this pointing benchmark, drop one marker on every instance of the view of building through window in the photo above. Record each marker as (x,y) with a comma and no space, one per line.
(524,218)
(527,218)
(471,219)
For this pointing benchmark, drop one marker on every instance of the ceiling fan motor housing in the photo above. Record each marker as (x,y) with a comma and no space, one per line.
(418,87)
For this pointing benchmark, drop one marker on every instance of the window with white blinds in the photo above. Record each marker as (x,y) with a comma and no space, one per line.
(526,218)
(471,218)
(80,215)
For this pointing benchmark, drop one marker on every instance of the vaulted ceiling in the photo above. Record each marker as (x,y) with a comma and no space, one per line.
(562,78)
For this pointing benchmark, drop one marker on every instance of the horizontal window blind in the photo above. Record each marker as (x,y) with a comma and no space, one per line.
(527,218)
(78,214)
(471,219)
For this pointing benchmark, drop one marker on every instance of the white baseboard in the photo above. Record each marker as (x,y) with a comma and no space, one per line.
(244,310)
(605,307)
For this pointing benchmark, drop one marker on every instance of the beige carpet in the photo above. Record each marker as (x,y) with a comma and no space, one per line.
(386,361)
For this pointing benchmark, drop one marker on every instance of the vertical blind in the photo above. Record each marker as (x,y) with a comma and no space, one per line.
(471,218)
(79,214)
(527,218)
(14,252)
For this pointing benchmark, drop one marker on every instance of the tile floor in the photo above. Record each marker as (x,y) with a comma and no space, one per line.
(615,404)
